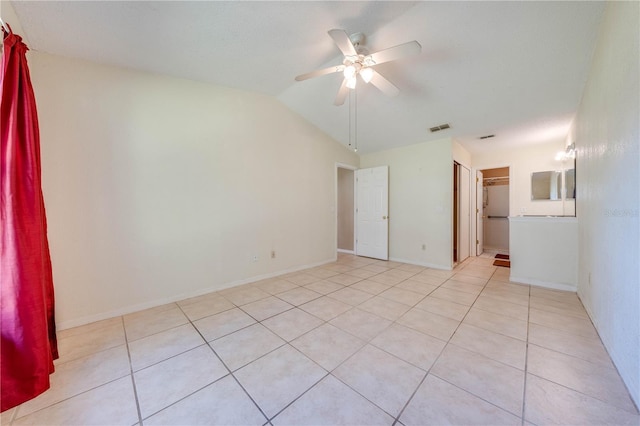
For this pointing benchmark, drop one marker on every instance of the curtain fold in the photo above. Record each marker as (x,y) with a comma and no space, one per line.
(28,345)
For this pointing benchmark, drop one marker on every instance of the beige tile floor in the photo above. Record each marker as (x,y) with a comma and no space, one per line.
(358,341)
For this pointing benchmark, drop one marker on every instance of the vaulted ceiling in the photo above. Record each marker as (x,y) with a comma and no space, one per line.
(513,69)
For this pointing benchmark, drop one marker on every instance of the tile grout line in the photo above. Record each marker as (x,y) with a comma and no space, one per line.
(397,419)
(14,415)
(413,394)
(447,344)
(186,396)
(230,373)
(395,321)
(476,396)
(528,345)
(227,367)
(358,392)
(585,394)
(324,322)
(270,419)
(526,361)
(330,373)
(68,397)
(181,353)
(133,379)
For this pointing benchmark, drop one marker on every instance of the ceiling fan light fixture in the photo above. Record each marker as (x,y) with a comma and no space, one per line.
(568,154)
(349,71)
(358,60)
(366,74)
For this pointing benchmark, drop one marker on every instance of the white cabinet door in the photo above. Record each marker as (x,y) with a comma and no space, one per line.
(372,212)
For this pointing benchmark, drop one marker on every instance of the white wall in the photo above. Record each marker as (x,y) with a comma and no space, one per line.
(157,188)
(420,201)
(523,161)
(461,155)
(607,138)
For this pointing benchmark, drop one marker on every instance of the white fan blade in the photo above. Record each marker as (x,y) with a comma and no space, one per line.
(318,73)
(396,52)
(342,93)
(383,84)
(343,42)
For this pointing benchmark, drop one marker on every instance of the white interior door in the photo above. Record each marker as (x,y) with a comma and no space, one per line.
(372,212)
(464,219)
(479,213)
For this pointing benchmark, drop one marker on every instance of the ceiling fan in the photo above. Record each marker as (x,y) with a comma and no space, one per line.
(358,62)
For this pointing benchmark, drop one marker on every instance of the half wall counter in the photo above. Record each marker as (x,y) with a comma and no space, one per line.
(544,251)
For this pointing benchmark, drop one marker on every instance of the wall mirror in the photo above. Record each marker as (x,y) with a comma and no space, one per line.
(546,186)
(570,184)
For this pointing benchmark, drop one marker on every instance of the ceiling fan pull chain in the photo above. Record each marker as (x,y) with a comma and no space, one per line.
(355,118)
(349,119)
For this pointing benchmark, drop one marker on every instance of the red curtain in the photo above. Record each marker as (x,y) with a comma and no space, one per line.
(28,346)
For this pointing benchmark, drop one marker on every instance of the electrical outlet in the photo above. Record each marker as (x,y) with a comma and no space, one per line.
(424,247)
(254,258)
(273,254)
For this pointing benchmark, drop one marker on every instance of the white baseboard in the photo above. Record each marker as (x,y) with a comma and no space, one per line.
(346,251)
(425,264)
(163,301)
(545,284)
(496,249)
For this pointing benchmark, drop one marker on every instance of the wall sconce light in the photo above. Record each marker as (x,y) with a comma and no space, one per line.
(568,154)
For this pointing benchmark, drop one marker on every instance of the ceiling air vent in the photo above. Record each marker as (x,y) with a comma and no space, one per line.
(444,126)
(487,137)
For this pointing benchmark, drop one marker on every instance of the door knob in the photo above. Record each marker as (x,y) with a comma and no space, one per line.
(384,217)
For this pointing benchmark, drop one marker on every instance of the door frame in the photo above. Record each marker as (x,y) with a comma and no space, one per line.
(479,236)
(355,198)
(464,186)
(474,189)
(456,236)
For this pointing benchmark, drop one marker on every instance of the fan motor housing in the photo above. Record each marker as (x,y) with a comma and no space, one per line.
(358,39)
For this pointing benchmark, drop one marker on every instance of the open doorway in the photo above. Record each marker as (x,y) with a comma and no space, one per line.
(495,209)
(345,209)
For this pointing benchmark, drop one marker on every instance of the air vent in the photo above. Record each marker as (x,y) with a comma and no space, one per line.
(487,137)
(444,126)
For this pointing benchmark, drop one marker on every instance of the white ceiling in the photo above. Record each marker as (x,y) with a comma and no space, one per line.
(513,69)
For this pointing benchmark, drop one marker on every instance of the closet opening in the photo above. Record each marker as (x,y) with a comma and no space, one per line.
(495,211)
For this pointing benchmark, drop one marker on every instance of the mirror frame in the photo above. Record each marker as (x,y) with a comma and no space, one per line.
(567,186)
(542,193)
